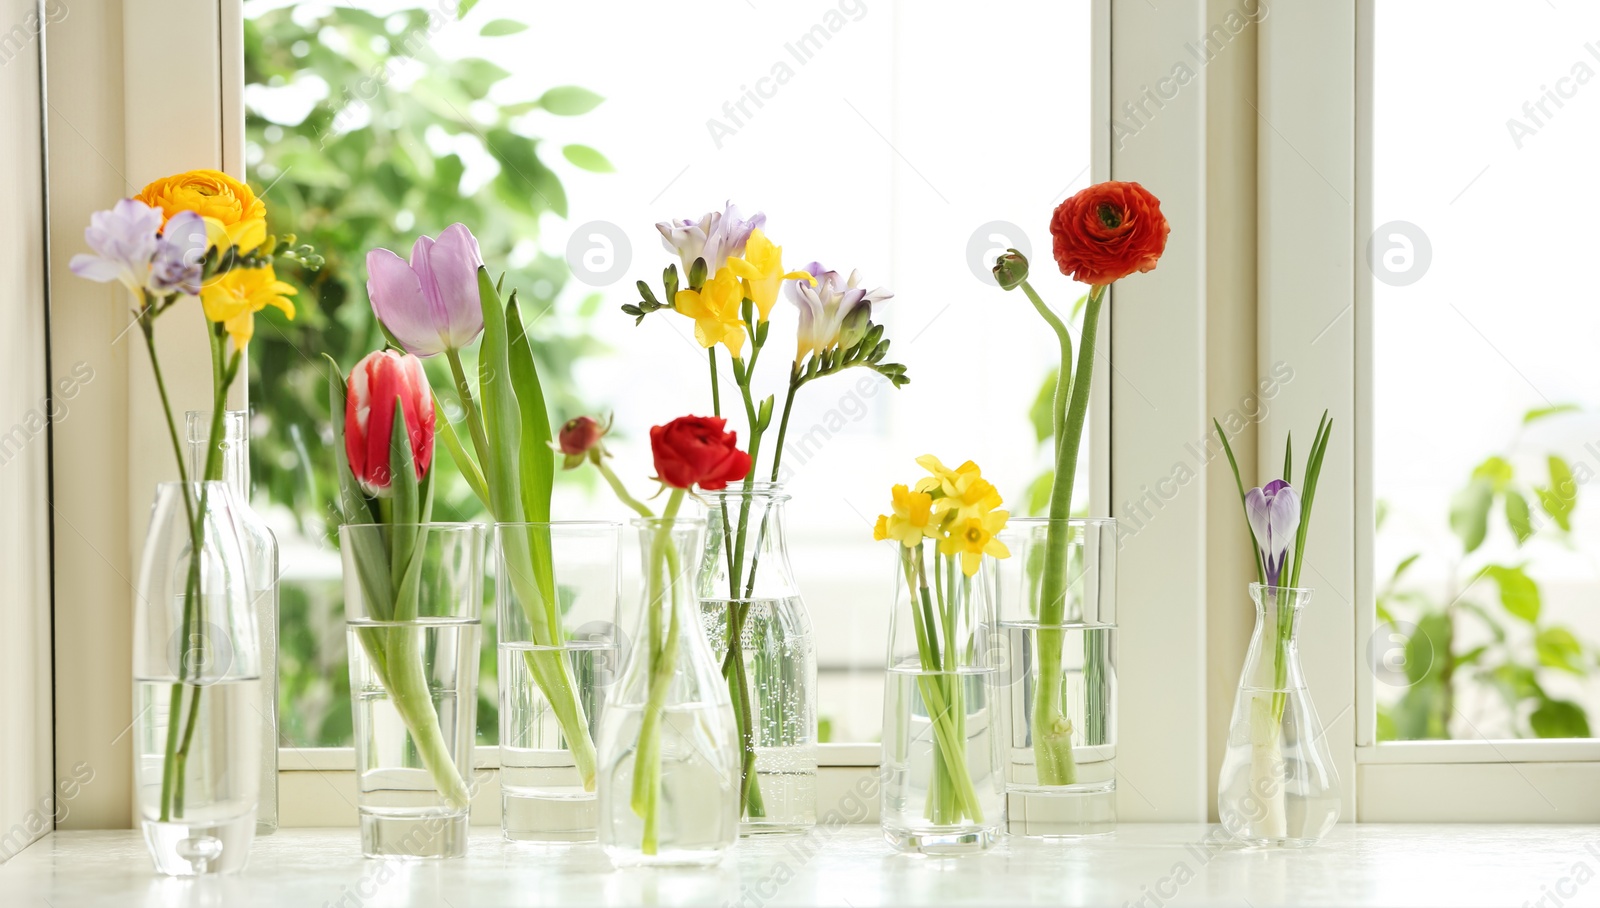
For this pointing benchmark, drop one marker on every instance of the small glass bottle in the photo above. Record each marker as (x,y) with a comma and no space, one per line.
(232,466)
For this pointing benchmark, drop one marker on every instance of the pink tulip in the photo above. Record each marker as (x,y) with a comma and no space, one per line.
(377,384)
(430,305)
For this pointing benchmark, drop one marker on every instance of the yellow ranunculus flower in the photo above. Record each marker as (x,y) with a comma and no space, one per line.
(762,270)
(912,520)
(235,297)
(211,194)
(715,310)
(974,537)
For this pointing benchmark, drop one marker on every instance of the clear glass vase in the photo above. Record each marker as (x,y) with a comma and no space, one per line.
(261,562)
(669,746)
(1278,785)
(412,598)
(559,659)
(197,685)
(749,603)
(941,787)
(1057,681)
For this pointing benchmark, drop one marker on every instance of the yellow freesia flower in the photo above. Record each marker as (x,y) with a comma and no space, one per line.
(974,537)
(715,310)
(912,520)
(235,297)
(762,270)
(211,194)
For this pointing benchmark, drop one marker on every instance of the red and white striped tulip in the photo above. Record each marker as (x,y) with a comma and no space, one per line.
(379,383)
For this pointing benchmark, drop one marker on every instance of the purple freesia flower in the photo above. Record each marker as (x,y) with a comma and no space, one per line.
(124,240)
(1274,514)
(716,237)
(180,255)
(826,309)
(430,305)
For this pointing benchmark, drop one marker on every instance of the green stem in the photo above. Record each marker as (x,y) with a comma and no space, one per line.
(716,396)
(480,438)
(1052,730)
(621,490)
(646,794)
(795,381)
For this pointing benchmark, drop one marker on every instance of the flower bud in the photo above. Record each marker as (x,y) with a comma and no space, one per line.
(378,385)
(579,440)
(1010,269)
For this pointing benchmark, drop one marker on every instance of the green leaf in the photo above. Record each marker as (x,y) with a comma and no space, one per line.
(458,453)
(1559,648)
(1238,484)
(1039,492)
(1518,516)
(1428,646)
(1559,719)
(1489,620)
(1561,496)
(501,418)
(1495,469)
(464,8)
(1404,565)
(1469,513)
(1541,412)
(1420,713)
(1519,594)
(496,28)
(1042,414)
(476,76)
(537,459)
(569,100)
(587,158)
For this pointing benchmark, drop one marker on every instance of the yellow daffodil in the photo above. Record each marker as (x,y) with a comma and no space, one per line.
(715,310)
(235,297)
(974,537)
(962,490)
(912,520)
(762,270)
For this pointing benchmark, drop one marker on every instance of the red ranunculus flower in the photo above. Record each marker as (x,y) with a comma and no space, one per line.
(579,435)
(1107,232)
(379,383)
(697,450)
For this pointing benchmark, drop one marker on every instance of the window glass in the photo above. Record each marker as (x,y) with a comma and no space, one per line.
(857,126)
(1485,420)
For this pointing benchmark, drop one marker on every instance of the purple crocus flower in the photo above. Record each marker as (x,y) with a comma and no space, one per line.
(180,255)
(430,305)
(716,237)
(1274,513)
(827,307)
(124,239)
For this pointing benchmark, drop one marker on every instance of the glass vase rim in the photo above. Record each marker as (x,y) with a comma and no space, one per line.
(1300,592)
(176,483)
(451,525)
(656,523)
(561,524)
(1015,522)
(758,489)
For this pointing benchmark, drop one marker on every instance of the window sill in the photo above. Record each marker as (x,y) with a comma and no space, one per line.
(1141,864)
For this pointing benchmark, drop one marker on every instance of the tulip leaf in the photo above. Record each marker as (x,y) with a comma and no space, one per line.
(501,419)
(1561,496)
(1519,594)
(1559,719)
(407,530)
(569,100)
(458,453)
(587,158)
(1469,513)
(496,28)
(536,459)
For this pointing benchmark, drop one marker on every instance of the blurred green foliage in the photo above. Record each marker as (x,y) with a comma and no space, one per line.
(1488,629)
(380,159)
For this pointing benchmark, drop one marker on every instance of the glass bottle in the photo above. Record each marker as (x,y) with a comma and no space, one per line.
(197,678)
(261,560)
(669,748)
(1278,784)
(773,679)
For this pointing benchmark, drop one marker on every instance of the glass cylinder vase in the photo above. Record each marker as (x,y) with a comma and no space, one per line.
(1057,683)
(1278,785)
(669,746)
(941,788)
(232,466)
(413,594)
(760,636)
(559,659)
(197,685)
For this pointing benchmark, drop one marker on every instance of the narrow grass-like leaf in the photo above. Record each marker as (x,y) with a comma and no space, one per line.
(1255,547)
(458,453)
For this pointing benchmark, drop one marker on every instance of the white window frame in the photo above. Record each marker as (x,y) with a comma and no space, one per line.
(126,116)
(1315,310)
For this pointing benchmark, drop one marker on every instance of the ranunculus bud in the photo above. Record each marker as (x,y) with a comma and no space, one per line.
(696,450)
(379,383)
(579,440)
(1010,269)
